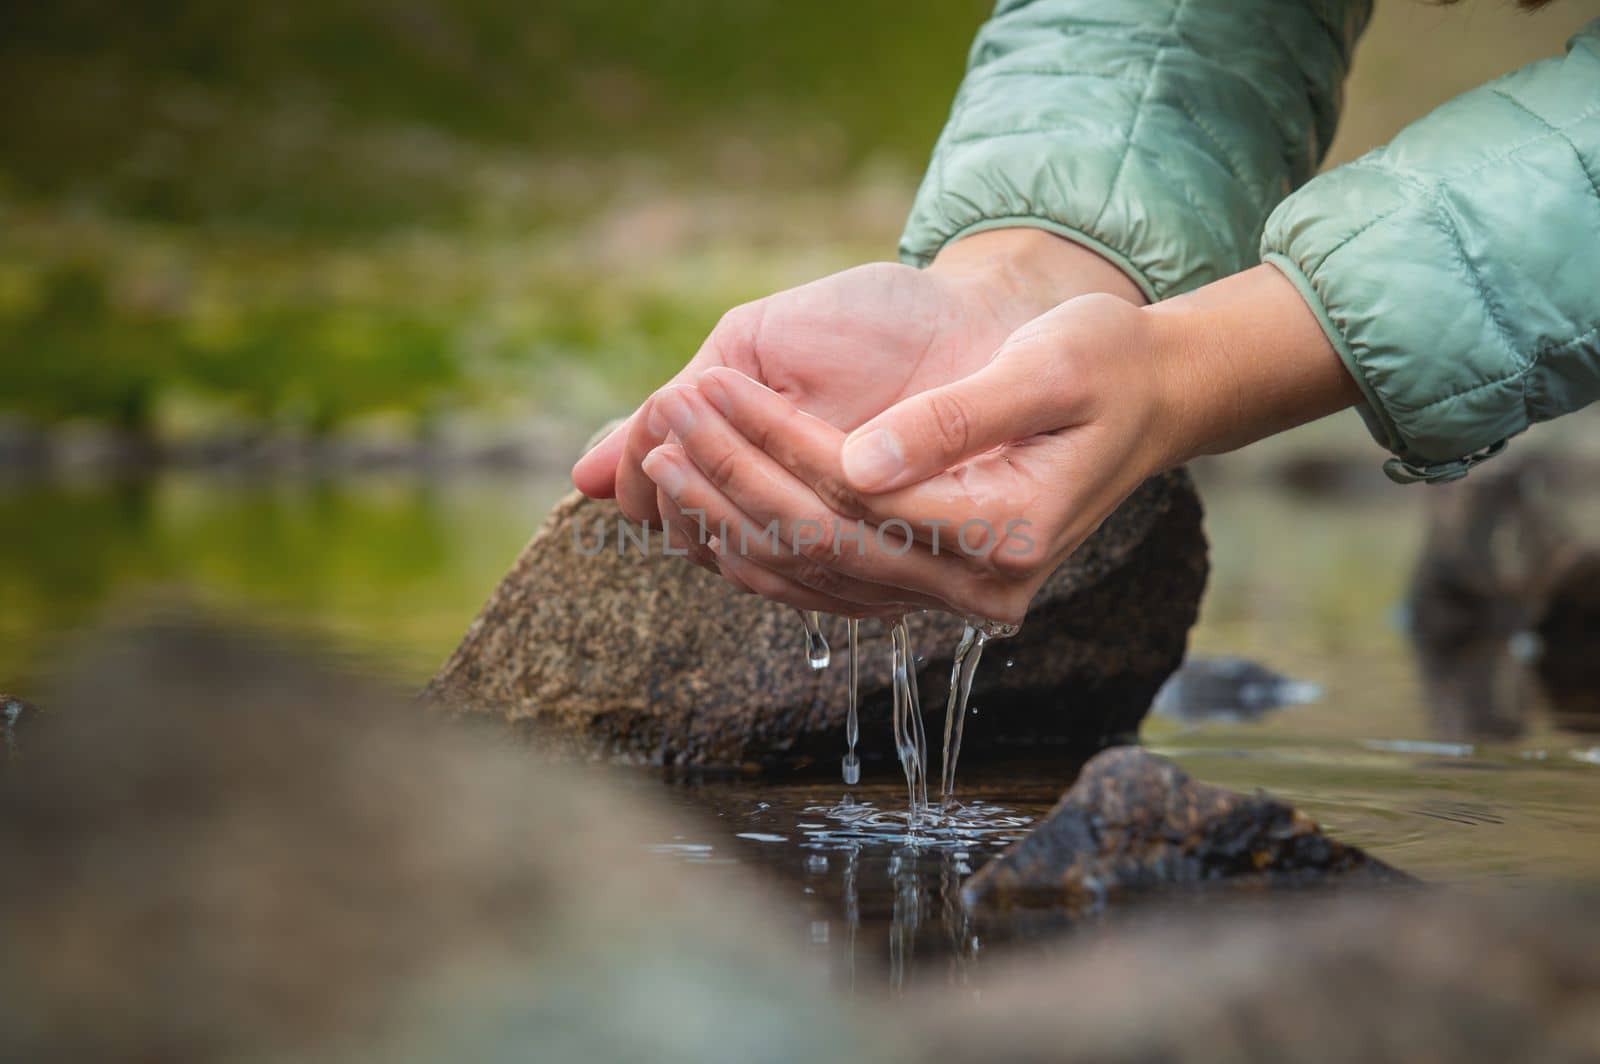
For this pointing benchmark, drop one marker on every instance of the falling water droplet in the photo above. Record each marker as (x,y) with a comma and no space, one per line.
(816,643)
(968,653)
(852,720)
(1010,663)
(909,739)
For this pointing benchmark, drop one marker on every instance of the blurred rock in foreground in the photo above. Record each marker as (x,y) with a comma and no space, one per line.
(648,658)
(218,851)
(215,850)
(1383,978)
(1135,823)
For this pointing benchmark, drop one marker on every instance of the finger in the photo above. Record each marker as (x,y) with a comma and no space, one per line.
(806,446)
(684,534)
(595,474)
(965,512)
(636,494)
(1018,394)
(754,578)
(793,534)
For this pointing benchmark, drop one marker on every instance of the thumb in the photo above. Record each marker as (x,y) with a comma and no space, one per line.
(1009,399)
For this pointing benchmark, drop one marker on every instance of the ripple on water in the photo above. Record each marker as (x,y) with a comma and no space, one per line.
(850,823)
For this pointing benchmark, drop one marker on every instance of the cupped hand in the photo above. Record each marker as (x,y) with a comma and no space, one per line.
(851,345)
(968,495)
(1028,454)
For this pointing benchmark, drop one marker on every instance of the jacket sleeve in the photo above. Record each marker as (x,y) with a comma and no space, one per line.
(1457,269)
(1161,133)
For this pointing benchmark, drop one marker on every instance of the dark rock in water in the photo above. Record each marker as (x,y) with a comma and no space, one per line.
(1134,822)
(217,849)
(13,711)
(1490,543)
(1568,628)
(1392,977)
(1231,689)
(1504,581)
(648,658)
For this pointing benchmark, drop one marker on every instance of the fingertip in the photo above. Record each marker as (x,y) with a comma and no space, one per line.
(873,459)
(595,474)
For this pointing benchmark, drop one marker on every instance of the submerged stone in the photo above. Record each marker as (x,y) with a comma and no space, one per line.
(1228,689)
(633,655)
(1134,822)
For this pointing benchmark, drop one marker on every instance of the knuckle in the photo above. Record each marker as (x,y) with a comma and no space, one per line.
(817,576)
(817,551)
(1010,564)
(951,421)
(838,497)
(723,470)
(737,326)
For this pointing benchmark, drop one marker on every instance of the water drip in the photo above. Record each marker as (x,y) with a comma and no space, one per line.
(968,653)
(852,721)
(817,654)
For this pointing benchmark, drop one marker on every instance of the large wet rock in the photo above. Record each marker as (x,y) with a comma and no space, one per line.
(1136,823)
(648,658)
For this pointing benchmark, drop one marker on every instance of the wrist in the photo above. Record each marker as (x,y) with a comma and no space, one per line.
(1242,359)
(1022,272)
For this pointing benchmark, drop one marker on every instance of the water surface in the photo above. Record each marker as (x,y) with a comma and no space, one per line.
(388,570)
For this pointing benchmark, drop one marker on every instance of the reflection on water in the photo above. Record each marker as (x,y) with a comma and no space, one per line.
(1455,765)
(879,897)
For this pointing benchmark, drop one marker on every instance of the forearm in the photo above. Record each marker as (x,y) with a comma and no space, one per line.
(1242,359)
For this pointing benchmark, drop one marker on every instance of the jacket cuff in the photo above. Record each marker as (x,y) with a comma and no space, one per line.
(1404,467)
(924,253)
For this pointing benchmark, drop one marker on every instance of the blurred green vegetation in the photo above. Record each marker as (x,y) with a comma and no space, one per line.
(296,215)
(301,213)
(384,570)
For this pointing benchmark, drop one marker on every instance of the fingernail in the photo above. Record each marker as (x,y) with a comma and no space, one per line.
(716,394)
(674,406)
(663,472)
(873,460)
(654,422)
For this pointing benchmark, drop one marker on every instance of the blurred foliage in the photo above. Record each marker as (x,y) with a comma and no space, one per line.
(297,214)
(385,570)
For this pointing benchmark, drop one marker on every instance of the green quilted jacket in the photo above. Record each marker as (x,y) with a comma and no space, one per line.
(1456,269)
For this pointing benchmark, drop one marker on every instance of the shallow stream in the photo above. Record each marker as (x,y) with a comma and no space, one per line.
(1479,782)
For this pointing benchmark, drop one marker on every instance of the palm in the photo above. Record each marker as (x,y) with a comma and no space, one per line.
(849,346)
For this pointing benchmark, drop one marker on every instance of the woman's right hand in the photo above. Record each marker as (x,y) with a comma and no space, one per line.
(1029,454)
